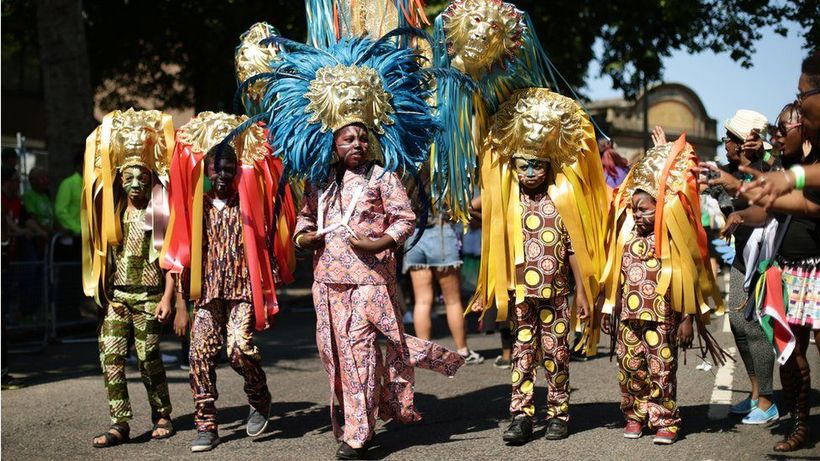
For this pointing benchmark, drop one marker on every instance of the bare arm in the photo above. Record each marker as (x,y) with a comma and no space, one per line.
(580,294)
(796,202)
(163,309)
(766,188)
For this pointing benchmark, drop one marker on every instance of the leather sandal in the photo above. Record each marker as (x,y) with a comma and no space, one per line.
(167,425)
(112,439)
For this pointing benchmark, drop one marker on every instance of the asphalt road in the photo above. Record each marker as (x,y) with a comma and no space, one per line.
(63,406)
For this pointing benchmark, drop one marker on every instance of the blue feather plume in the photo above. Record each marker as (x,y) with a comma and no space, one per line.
(305,149)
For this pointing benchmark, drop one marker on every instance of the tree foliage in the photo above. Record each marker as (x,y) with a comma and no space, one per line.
(179,53)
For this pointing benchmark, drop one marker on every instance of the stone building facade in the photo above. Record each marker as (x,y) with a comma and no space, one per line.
(673,106)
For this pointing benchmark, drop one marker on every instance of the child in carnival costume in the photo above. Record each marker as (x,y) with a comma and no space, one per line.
(345,119)
(495,44)
(542,182)
(124,214)
(232,249)
(657,283)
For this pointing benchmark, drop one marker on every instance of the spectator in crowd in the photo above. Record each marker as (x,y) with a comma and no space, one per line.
(615,166)
(768,187)
(67,211)
(12,212)
(435,257)
(744,147)
(67,203)
(39,207)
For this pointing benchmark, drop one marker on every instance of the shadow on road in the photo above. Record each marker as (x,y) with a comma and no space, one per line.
(288,420)
(291,339)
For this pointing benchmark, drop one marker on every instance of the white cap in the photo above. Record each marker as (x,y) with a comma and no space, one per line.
(744,121)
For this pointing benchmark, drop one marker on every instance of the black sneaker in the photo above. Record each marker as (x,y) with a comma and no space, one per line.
(578,356)
(205,441)
(557,429)
(345,451)
(257,422)
(520,430)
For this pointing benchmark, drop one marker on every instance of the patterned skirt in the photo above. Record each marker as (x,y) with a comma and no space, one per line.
(801,282)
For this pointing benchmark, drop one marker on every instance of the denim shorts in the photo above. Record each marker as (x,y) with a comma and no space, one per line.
(439,247)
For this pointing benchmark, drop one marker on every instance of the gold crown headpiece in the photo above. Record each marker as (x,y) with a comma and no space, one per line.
(668,162)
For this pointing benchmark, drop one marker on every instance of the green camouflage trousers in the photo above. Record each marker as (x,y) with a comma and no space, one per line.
(132,312)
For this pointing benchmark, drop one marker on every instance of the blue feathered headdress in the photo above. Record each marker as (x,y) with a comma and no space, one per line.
(315,92)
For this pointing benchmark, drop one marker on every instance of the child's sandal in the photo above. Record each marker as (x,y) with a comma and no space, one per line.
(112,439)
(167,425)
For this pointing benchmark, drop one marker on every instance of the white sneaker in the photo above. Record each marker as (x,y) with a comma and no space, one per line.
(472,358)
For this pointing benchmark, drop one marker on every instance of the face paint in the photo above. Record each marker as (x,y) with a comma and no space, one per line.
(643,209)
(136,181)
(531,172)
(351,143)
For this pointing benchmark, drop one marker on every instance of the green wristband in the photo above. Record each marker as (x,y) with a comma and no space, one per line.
(799,177)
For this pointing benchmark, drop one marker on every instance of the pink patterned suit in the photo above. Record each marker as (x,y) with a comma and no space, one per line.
(354,295)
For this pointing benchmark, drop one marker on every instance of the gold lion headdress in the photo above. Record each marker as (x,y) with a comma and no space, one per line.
(317,91)
(142,138)
(537,123)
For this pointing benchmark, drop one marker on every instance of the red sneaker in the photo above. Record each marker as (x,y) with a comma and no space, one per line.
(665,436)
(633,429)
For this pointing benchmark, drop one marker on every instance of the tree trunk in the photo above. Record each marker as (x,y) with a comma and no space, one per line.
(69,100)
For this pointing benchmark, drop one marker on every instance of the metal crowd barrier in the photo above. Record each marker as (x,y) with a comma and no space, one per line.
(66,297)
(25,306)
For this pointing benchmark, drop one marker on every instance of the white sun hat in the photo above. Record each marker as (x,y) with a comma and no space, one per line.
(744,121)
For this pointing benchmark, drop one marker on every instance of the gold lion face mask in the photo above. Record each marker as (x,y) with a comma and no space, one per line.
(341,95)
(137,138)
(480,33)
(537,124)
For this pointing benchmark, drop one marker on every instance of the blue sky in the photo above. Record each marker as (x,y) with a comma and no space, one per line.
(725,86)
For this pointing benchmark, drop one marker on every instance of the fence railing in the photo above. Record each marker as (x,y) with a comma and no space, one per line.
(42,298)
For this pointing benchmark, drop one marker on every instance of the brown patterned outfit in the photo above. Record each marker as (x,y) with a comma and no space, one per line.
(540,323)
(224,308)
(137,288)
(647,345)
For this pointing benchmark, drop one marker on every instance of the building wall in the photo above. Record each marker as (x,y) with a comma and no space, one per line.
(674,107)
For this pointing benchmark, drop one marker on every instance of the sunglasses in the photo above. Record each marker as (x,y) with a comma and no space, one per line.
(785,128)
(802,96)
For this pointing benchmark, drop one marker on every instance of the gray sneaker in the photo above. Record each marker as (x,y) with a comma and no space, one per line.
(205,441)
(257,422)
(472,358)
